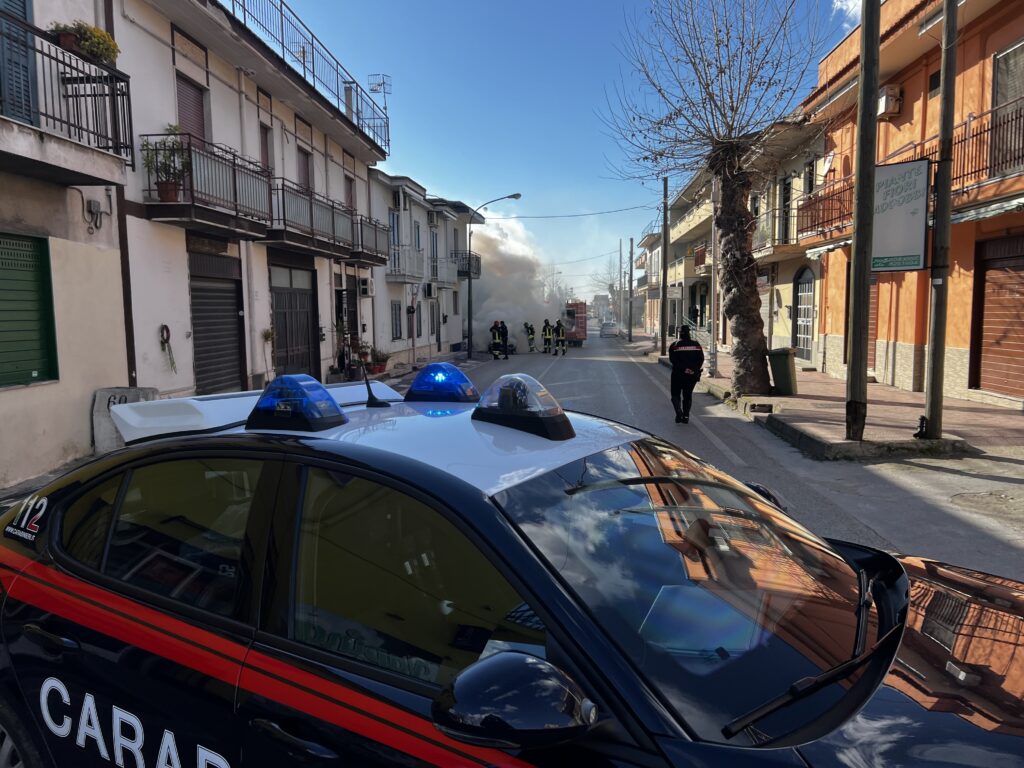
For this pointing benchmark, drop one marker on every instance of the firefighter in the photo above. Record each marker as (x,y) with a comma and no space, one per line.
(687,358)
(547,333)
(504,339)
(559,338)
(496,340)
(531,336)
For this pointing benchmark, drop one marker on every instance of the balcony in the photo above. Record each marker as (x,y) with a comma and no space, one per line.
(693,222)
(700,258)
(468,263)
(204,186)
(405,264)
(372,242)
(775,236)
(443,271)
(278,27)
(306,222)
(63,119)
(641,282)
(826,211)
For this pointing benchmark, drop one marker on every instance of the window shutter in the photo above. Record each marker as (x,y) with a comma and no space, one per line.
(191,108)
(1009,75)
(27,347)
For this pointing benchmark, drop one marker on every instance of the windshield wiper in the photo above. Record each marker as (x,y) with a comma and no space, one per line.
(804,687)
(619,481)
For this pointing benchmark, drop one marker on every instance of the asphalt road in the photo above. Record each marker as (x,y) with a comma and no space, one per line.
(966,511)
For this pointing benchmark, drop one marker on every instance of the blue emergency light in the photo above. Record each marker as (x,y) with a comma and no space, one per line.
(296,402)
(442,383)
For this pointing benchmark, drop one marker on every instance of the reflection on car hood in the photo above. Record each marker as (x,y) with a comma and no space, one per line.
(955,694)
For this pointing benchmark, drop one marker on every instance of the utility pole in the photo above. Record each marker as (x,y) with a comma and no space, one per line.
(935,372)
(629,332)
(618,309)
(863,224)
(716,196)
(664,266)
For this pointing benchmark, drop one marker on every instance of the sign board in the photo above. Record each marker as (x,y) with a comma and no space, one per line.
(674,292)
(901,216)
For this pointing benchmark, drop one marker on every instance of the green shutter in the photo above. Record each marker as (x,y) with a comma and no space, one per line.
(27,346)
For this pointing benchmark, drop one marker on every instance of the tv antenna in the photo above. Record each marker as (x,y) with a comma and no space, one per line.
(381,84)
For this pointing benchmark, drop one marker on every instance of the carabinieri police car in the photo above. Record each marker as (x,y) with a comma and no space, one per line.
(337,577)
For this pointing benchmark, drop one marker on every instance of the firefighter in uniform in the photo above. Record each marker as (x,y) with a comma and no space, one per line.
(559,338)
(687,358)
(547,333)
(496,340)
(531,336)
(504,339)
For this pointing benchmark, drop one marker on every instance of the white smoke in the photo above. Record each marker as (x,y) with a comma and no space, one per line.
(511,284)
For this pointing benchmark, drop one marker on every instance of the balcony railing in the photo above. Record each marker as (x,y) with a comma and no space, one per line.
(372,237)
(468,263)
(299,209)
(443,271)
(279,27)
(61,93)
(184,168)
(828,209)
(405,262)
(985,147)
(775,227)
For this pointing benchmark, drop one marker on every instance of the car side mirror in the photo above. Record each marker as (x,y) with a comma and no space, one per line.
(512,700)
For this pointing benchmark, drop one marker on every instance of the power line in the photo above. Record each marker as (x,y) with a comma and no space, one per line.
(573,215)
(586,258)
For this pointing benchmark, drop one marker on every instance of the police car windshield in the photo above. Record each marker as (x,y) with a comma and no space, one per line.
(719,599)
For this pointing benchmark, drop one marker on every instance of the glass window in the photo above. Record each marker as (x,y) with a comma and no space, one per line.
(86,523)
(396,320)
(180,530)
(386,580)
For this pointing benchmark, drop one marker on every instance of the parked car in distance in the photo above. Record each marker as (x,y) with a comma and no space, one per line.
(609,329)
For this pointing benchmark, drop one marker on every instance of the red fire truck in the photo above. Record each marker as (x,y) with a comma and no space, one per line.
(574,318)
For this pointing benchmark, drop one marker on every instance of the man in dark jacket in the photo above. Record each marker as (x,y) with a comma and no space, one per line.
(547,333)
(504,339)
(496,340)
(559,338)
(687,358)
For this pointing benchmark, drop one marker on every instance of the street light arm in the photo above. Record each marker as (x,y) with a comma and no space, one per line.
(469,262)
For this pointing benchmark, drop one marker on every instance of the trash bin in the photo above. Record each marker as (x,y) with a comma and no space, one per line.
(783,365)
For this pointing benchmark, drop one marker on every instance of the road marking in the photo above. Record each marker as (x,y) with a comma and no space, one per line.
(726,451)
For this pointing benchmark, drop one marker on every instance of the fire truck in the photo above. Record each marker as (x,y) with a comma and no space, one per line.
(574,318)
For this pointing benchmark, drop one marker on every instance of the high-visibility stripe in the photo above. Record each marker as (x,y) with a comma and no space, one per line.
(110,614)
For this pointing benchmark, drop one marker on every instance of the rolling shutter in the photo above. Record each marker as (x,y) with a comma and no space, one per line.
(1001,363)
(216,330)
(872,320)
(27,346)
(191,108)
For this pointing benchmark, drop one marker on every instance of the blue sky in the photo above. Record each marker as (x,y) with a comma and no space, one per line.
(491,98)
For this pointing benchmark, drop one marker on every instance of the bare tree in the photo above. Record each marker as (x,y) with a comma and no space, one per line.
(605,278)
(708,78)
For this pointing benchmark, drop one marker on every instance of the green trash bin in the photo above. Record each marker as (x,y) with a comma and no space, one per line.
(783,365)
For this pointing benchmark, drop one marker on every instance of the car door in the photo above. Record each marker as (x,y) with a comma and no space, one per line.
(374,600)
(127,645)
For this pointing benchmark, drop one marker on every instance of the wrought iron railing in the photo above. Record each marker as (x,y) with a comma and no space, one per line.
(443,271)
(61,92)
(828,209)
(184,168)
(700,256)
(406,261)
(641,281)
(300,209)
(468,263)
(279,27)
(985,147)
(372,237)
(777,226)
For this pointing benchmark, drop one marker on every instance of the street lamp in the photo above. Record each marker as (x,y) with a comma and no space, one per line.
(469,271)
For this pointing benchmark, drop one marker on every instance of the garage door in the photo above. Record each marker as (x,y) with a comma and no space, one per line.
(294,307)
(1001,348)
(216,335)
(872,321)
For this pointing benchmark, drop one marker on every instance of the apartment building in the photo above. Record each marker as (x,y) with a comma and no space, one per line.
(984,353)
(251,236)
(66,149)
(648,285)
(690,223)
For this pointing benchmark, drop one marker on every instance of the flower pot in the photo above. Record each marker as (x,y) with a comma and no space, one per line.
(69,42)
(378,367)
(167,191)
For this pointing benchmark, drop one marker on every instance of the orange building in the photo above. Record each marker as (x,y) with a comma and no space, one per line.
(985,332)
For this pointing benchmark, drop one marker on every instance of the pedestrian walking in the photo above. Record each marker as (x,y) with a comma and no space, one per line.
(496,340)
(687,358)
(504,339)
(547,334)
(559,338)
(531,336)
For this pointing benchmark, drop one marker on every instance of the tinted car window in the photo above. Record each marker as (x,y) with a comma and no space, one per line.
(180,529)
(385,579)
(86,523)
(717,597)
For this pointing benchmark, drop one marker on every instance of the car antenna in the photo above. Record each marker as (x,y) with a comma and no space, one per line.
(372,401)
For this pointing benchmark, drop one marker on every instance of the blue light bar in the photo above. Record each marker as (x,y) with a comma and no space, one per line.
(296,402)
(442,383)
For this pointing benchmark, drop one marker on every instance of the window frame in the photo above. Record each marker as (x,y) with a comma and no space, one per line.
(256,528)
(48,340)
(396,315)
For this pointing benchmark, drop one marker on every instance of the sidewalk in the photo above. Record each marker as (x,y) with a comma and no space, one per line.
(815,420)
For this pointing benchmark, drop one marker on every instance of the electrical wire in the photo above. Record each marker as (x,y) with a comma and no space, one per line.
(574,215)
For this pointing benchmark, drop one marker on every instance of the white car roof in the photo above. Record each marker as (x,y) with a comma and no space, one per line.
(444,435)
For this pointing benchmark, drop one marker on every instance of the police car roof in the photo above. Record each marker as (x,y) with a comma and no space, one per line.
(488,456)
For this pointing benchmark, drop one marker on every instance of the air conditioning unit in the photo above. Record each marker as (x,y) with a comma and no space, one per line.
(396,199)
(366,287)
(431,218)
(430,290)
(890,99)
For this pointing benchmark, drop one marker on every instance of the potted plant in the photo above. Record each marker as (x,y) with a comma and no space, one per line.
(378,360)
(167,161)
(85,40)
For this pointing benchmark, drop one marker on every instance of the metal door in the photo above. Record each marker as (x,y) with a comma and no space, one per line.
(217,328)
(803,315)
(294,308)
